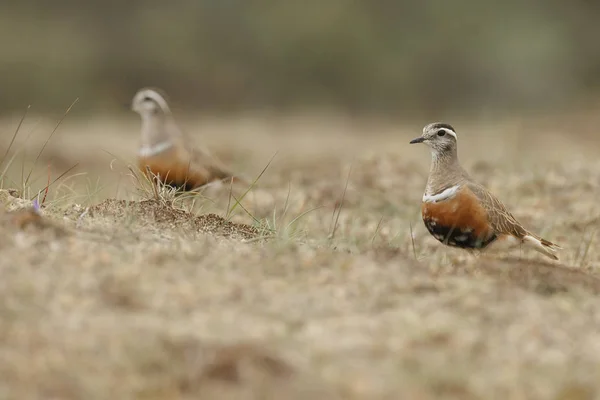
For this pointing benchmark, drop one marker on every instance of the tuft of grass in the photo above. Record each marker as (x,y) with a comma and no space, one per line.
(26,179)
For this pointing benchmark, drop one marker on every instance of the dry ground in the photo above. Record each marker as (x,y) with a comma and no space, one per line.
(112,294)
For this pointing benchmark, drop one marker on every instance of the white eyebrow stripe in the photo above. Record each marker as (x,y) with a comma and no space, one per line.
(162,103)
(149,151)
(443,195)
(450,132)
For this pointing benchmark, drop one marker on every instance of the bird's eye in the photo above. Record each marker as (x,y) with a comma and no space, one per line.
(147,98)
(441,132)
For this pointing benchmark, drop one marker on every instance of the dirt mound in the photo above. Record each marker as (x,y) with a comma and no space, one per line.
(31,220)
(11,199)
(165,216)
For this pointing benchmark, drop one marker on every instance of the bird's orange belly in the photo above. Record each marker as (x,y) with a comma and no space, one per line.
(460,221)
(172,169)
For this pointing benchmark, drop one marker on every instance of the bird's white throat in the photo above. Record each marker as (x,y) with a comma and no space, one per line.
(443,195)
(149,151)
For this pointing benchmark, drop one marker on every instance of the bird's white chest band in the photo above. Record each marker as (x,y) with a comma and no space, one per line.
(149,151)
(443,195)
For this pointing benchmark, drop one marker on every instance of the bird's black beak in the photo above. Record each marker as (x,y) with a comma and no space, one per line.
(420,139)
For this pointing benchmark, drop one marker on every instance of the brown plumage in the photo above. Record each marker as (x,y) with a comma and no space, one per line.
(462,213)
(166,151)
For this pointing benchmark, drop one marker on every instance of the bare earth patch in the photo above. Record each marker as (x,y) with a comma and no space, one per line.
(107,295)
(543,278)
(154,212)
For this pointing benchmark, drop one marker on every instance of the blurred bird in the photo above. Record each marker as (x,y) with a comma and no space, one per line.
(165,151)
(462,213)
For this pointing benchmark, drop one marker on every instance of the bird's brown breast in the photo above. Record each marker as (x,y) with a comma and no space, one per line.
(459,221)
(175,167)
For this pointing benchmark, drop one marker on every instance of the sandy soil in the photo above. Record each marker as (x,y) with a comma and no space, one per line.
(324,285)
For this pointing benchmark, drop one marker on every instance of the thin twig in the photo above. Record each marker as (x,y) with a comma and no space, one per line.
(412,239)
(47,186)
(587,247)
(247,212)
(287,200)
(376,230)
(229,198)
(230,211)
(48,139)
(55,180)
(15,136)
(154,182)
(335,225)
(302,215)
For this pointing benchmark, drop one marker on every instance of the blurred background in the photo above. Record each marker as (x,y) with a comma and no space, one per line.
(320,83)
(401,58)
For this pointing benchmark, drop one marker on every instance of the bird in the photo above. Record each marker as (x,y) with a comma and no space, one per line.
(462,213)
(165,151)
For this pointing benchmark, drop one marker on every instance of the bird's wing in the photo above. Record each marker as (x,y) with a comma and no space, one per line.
(501,220)
(202,159)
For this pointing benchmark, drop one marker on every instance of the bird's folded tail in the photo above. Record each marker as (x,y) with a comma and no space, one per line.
(542,245)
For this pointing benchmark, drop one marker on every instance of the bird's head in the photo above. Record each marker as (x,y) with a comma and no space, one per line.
(439,136)
(148,101)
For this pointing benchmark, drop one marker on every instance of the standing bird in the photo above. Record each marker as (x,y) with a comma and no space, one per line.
(462,213)
(166,151)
